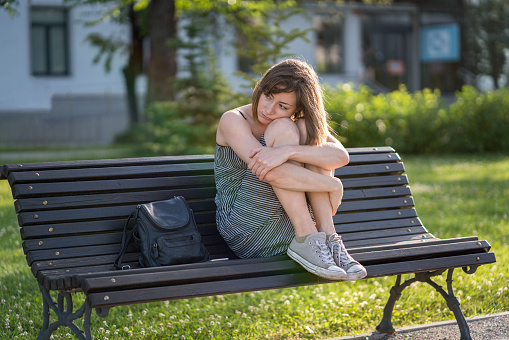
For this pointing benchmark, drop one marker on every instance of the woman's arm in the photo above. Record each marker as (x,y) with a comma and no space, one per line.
(234,131)
(328,156)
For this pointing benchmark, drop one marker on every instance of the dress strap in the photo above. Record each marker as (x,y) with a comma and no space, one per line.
(242,114)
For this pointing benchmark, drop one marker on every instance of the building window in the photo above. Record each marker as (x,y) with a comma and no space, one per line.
(329,44)
(49,41)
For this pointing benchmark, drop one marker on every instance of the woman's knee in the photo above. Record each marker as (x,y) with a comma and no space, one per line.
(282,131)
(319,170)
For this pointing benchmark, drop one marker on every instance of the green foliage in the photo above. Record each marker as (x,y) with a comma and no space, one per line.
(487,29)
(10,6)
(477,122)
(420,122)
(188,125)
(261,39)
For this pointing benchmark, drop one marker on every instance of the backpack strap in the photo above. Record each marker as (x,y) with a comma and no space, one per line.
(125,242)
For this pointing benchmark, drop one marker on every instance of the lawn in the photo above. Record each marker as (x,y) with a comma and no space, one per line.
(460,195)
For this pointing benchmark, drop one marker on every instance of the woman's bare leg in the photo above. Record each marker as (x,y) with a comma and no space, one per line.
(321,204)
(285,132)
(309,247)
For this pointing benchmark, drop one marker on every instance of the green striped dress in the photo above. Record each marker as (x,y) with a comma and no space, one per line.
(249,215)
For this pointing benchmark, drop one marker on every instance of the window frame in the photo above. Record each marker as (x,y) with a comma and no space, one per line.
(49,72)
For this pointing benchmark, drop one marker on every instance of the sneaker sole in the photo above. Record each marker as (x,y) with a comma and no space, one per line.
(314,269)
(356,275)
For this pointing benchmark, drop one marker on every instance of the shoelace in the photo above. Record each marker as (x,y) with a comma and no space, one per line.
(339,247)
(324,252)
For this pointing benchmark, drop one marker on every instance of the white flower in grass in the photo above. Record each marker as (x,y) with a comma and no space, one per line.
(126,329)
(161,315)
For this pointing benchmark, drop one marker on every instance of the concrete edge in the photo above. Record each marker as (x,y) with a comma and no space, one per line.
(409,329)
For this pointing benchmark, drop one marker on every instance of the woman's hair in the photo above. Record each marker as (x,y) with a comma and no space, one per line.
(296,76)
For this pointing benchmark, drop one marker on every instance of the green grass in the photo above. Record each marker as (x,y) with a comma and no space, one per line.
(454,195)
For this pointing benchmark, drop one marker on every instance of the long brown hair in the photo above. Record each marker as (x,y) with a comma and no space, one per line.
(293,75)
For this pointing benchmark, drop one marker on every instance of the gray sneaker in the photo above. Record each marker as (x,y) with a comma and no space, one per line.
(314,255)
(354,270)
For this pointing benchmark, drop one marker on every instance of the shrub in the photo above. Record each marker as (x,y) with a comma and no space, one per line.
(420,122)
(477,122)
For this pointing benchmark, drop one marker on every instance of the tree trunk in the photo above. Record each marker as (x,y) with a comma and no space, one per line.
(162,66)
(134,67)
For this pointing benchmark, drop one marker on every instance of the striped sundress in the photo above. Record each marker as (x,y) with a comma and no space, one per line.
(249,215)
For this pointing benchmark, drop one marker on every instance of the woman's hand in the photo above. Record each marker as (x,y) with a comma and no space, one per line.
(265,159)
(336,196)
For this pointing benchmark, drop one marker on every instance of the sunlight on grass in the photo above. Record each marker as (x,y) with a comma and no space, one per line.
(455,196)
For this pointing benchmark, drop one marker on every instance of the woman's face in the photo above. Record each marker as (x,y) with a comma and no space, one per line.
(274,106)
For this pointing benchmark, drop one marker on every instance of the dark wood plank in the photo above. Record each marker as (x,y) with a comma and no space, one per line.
(342,218)
(133,296)
(110,186)
(231,270)
(8,168)
(100,163)
(107,199)
(81,273)
(377,225)
(140,197)
(100,213)
(374,181)
(67,171)
(370,169)
(45,190)
(356,159)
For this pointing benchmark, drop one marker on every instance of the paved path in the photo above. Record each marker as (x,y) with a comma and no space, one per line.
(484,327)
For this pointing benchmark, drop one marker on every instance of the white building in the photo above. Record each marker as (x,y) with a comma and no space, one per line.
(51,91)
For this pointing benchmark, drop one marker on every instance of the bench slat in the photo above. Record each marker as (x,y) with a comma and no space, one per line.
(232,269)
(115,298)
(192,169)
(78,186)
(118,185)
(10,168)
(112,212)
(60,165)
(97,200)
(54,230)
(150,170)
(82,201)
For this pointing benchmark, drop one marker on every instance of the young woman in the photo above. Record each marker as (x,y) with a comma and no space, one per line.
(274,163)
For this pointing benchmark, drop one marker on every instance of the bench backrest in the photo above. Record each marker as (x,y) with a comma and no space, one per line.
(72,214)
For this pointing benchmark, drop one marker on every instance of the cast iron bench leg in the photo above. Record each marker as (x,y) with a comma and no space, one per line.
(87,322)
(385,325)
(63,310)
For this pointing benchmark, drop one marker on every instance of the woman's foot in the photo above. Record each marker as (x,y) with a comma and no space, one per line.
(354,270)
(314,255)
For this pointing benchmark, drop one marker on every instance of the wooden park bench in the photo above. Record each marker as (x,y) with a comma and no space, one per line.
(72,214)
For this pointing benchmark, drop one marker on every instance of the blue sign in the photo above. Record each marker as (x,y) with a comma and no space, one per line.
(440,43)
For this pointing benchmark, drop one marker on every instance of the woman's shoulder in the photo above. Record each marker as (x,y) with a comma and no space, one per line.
(243,112)
(231,122)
